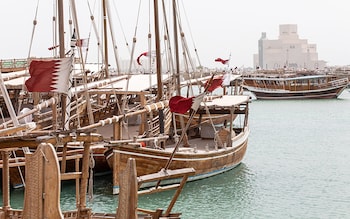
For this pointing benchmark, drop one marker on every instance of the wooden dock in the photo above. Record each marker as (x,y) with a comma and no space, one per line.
(42,201)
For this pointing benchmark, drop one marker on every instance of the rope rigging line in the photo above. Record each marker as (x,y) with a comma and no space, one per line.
(195,47)
(123,106)
(115,48)
(188,61)
(33,30)
(124,99)
(73,45)
(92,18)
(184,42)
(149,41)
(30,47)
(216,136)
(91,176)
(134,40)
(121,26)
(167,45)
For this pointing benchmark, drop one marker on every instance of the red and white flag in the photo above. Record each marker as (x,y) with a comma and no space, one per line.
(49,75)
(147,54)
(214,83)
(179,104)
(223,61)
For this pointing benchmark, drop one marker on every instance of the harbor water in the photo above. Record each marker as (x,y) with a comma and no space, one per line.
(296,166)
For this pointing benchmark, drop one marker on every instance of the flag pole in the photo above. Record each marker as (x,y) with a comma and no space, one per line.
(193,111)
(70,85)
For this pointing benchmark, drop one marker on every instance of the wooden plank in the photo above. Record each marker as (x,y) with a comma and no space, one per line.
(71,175)
(161,175)
(159,189)
(12,130)
(21,162)
(163,137)
(42,193)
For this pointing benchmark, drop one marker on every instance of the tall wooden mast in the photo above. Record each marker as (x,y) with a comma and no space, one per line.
(62,55)
(158,55)
(61,28)
(177,61)
(105,42)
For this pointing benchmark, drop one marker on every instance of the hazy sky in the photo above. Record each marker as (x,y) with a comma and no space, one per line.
(215,28)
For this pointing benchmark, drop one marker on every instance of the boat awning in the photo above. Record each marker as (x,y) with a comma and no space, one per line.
(227,101)
(137,83)
(202,80)
(15,80)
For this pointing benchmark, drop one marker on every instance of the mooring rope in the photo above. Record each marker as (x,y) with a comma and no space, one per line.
(91,179)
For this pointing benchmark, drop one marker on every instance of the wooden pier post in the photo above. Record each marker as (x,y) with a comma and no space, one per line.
(5,181)
(127,205)
(84,179)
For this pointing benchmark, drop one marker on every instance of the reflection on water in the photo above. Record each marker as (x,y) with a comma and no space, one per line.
(219,196)
(226,193)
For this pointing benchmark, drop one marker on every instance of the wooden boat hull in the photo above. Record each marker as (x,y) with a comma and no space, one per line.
(206,162)
(304,87)
(269,94)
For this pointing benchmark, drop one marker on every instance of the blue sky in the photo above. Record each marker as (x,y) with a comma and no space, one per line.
(215,28)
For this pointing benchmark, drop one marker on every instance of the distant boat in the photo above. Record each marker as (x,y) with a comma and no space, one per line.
(13,65)
(294,85)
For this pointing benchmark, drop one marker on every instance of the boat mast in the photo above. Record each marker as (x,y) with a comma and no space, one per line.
(158,55)
(61,28)
(86,93)
(104,8)
(159,67)
(177,69)
(62,55)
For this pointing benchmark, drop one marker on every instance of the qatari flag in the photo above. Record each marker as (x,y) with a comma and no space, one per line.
(214,83)
(49,75)
(179,104)
(151,54)
(223,61)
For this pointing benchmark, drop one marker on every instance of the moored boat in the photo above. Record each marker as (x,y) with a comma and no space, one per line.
(211,146)
(295,86)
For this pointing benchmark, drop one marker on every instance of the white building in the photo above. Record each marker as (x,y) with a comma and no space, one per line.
(288,51)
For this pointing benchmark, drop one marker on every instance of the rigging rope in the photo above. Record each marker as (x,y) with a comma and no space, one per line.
(195,48)
(216,136)
(91,179)
(29,50)
(33,30)
(134,39)
(121,26)
(116,56)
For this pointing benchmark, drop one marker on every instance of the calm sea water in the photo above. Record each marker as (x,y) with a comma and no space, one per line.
(296,166)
